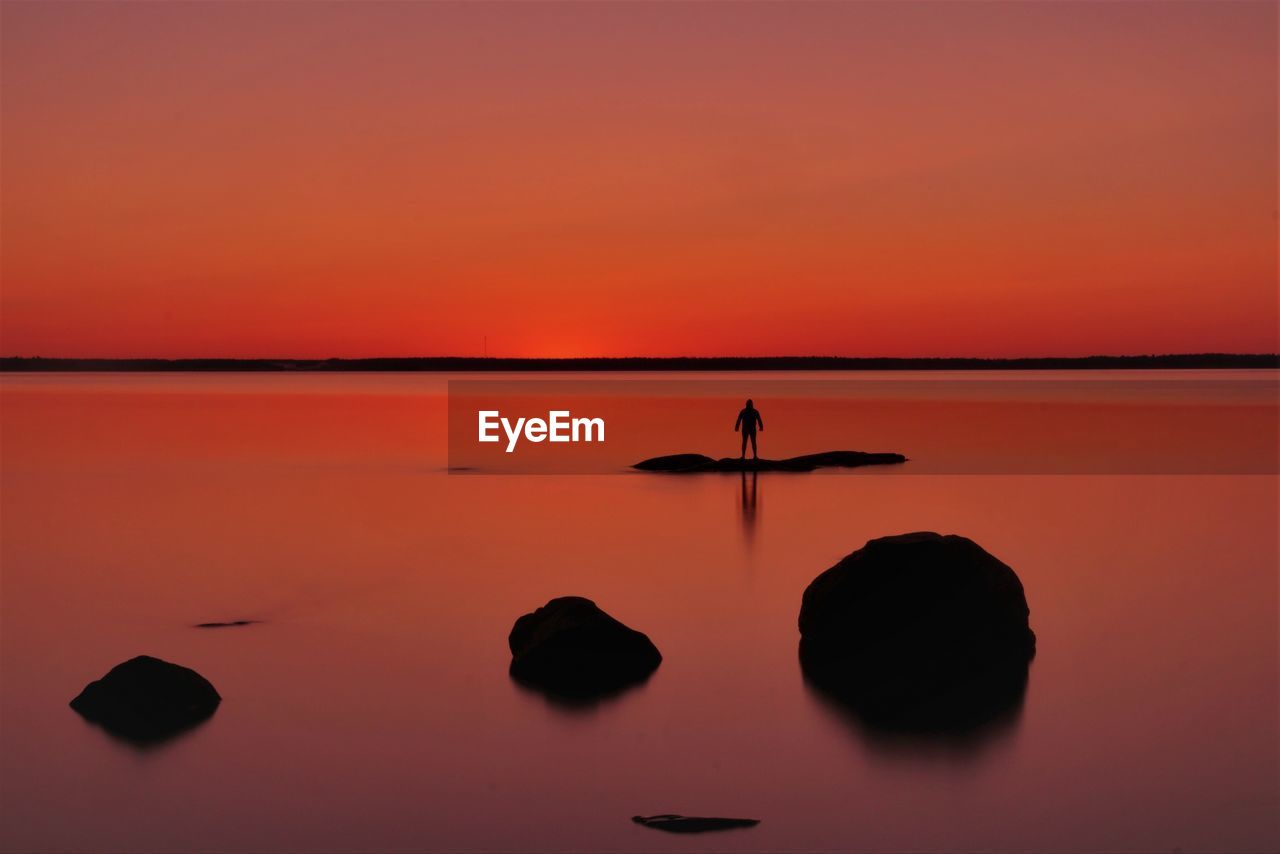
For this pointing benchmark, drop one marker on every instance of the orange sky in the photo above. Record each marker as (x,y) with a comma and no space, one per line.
(311,180)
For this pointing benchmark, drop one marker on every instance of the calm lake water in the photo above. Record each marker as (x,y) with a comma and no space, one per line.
(371,710)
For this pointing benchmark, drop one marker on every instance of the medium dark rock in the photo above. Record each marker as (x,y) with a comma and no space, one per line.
(918,632)
(692,823)
(146,700)
(226,625)
(697,463)
(573,650)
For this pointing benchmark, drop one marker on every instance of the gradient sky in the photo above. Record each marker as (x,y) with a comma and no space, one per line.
(343,179)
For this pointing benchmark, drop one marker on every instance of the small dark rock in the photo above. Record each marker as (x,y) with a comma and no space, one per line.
(146,700)
(918,632)
(692,823)
(571,648)
(226,625)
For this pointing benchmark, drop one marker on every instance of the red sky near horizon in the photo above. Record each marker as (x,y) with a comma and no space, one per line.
(901,179)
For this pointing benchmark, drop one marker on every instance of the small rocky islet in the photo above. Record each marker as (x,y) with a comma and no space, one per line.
(699,463)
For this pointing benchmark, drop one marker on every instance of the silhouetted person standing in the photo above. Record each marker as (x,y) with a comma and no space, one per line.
(749,419)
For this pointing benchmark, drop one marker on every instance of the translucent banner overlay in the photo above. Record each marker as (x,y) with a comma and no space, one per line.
(1224,422)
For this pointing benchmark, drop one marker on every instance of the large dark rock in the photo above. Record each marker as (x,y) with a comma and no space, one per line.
(918,632)
(697,463)
(573,650)
(146,699)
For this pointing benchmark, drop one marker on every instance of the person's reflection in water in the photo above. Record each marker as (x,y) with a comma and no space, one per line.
(750,497)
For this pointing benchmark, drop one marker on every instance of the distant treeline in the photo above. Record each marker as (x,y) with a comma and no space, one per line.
(677,363)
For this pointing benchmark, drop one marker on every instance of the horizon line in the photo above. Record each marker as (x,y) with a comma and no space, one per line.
(481,357)
(1203,360)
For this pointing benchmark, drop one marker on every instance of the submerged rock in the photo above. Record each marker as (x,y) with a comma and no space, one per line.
(696,463)
(146,699)
(571,648)
(692,823)
(918,632)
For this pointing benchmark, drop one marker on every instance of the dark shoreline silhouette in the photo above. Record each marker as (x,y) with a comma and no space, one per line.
(634,363)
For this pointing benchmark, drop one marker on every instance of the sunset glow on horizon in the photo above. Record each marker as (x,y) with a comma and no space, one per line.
(861,179)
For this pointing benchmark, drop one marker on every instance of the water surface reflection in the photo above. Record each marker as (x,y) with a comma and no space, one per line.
(958,727)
